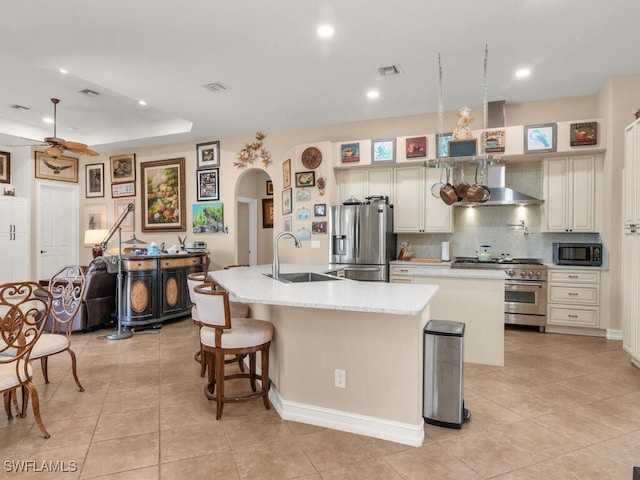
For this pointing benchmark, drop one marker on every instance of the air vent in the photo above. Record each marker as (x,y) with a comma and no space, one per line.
(216,87)
(391,70)
(89,93)
(19,107)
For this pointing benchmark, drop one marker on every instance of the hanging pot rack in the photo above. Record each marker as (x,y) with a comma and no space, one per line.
(482,160)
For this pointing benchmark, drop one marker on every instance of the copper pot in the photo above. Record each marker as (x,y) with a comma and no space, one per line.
(448,192)
(462,187)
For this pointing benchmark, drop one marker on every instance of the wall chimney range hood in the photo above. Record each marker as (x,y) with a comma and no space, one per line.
(500,194)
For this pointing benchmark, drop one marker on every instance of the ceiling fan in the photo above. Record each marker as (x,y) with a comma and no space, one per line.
(57,146)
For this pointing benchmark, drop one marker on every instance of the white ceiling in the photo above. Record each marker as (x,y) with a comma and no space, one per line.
(280,74)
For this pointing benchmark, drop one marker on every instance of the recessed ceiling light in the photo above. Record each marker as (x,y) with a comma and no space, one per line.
(63,71)
(523,72)
(142,103)
(47,120)
(373,94)
(325,31)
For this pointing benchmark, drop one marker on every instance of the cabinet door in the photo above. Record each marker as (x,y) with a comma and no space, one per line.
(582,190)
(630,293)
(380,182)
(408,208)
(630,173)
(6,267)
(352,184)
(438,215)
(173,290)
(555,205)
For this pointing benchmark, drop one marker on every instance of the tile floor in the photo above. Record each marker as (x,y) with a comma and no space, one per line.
(563,407)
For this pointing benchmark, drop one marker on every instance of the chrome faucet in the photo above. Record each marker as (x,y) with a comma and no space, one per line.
(275,269)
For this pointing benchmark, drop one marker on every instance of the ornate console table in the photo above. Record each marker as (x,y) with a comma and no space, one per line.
(155,286)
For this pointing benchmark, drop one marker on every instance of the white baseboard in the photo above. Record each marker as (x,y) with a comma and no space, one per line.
(614,334)
(404,433)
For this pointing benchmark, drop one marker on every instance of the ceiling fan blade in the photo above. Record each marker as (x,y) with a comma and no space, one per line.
(70,145)
(83,151)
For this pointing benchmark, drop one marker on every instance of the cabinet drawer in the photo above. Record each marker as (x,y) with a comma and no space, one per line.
(584,295)
(397,270)
(180,262)
(401,279)
(139,265)
(579,317)
(573,276)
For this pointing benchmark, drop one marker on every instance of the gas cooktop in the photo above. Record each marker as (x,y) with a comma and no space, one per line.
(473,262)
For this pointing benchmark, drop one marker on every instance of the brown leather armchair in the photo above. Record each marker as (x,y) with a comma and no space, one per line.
(99,302)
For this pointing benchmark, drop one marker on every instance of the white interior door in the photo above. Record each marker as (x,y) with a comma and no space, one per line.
(57,224)
(247,222)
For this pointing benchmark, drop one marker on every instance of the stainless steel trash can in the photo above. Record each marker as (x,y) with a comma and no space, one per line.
(443,387)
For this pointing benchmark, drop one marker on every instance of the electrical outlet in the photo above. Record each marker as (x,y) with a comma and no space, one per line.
(340,378)
(315,244)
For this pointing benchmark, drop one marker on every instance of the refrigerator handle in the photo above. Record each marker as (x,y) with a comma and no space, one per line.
(356,247)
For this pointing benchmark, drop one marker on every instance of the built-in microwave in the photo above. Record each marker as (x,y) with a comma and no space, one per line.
(579,254)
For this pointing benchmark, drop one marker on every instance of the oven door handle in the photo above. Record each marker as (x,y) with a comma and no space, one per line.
(525,284)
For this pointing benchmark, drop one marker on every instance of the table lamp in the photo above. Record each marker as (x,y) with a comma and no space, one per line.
(95,236)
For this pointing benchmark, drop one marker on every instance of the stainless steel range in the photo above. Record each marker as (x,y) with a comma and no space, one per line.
(525,287)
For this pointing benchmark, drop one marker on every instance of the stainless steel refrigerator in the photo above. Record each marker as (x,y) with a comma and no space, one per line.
(362,240)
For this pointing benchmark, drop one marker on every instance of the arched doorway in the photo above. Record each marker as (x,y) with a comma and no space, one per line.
(254,242)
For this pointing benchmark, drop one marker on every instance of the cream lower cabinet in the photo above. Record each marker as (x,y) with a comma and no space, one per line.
(14,239)
(573,298)
(569,193)
(401,273)
(415,210)
(631,294)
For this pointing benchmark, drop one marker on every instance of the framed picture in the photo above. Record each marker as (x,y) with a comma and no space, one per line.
(208,184)
(129,223)
(286,222)
(163,196)
(303,213)
(303,195)
(267,213)
(494,141)
(94,180)
(383,150)
(442,144)
(5,167)
(269,187)
(540,138)
(305,179)
(123,190)
(95,217)
(123,168)
(350,152)
(318,227)
(208,154)
(64,169)
(208,217)
(286,173)
(585,133)
(320,210)
(287,201)
(416,147)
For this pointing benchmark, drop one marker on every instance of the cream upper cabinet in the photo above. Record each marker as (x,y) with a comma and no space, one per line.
(351,185)
(379,181)
(569,194)
(415,209)
(362,183)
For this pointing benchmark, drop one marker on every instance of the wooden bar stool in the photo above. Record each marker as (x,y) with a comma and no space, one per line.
(219,337)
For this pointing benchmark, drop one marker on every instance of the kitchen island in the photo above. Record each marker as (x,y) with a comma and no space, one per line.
(373,331)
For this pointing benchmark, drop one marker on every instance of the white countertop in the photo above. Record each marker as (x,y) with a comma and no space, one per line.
(444,270)
(251,286)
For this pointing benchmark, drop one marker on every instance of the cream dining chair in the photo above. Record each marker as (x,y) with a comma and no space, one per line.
(24,308)
(67,290)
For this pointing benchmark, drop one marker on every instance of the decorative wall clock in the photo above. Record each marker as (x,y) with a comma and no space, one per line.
(311,158)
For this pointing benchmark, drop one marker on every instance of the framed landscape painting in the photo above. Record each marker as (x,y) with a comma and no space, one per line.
(163,196)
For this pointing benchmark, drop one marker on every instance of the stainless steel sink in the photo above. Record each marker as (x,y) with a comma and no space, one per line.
(303,277)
